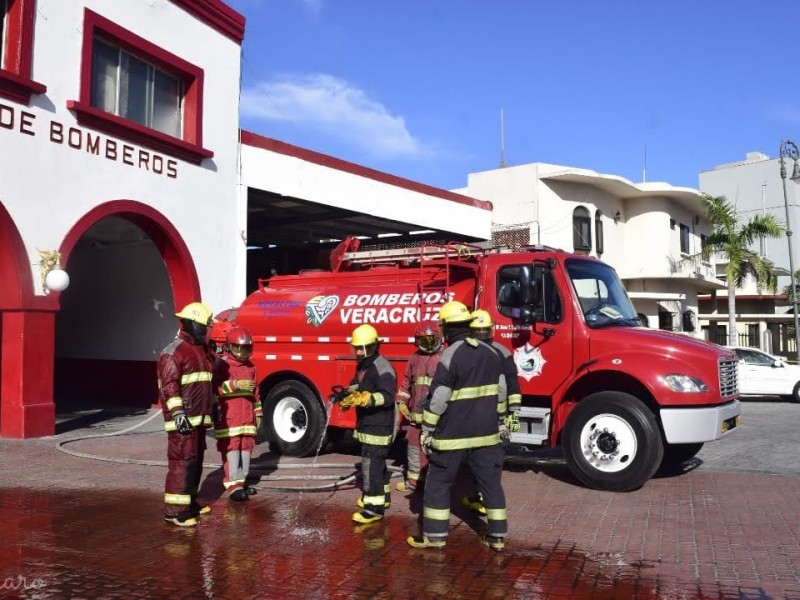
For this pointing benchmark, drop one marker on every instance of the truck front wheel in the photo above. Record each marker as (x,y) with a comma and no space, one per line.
(612,442)
(294,419)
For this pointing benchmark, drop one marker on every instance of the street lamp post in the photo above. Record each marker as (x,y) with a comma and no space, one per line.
(789,150)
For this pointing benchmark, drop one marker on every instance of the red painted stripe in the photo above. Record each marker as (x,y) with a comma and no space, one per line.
(217,15)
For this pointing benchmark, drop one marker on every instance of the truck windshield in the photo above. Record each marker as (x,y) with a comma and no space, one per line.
(603,299)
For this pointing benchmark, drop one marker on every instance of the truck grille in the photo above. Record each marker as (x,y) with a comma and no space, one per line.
(728,378)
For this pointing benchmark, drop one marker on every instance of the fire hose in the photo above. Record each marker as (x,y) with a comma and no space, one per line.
(340,480)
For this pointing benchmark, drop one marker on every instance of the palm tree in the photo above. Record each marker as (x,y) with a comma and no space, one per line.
(733,239)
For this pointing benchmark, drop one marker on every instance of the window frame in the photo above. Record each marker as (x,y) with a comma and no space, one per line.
(685,234)
(190,146)
(599,242)
(581,217)
(17,56)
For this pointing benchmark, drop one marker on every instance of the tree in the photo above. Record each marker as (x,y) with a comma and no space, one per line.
(733,239)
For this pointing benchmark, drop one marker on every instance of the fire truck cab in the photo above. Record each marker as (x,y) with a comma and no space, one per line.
(620,399)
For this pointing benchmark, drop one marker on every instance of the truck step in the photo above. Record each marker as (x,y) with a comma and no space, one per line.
(534,425)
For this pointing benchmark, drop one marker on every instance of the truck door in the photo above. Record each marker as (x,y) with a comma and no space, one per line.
(542,350)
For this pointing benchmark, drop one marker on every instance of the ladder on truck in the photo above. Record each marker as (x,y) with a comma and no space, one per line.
(447,255)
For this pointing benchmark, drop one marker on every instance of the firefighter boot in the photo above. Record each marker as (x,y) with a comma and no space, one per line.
(495,543)
(200,509)
(423,541)
(364,517)
(239,495)
(182,520)
(406,486)
(474,503)
(250,490)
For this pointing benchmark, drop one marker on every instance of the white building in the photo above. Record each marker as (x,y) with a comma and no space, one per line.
(643,230)
(121,150)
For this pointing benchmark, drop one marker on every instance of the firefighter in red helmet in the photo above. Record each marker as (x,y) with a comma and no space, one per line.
(410,396)
(185,395)
(237,410)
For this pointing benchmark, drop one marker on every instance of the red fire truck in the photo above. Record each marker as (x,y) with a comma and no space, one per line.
(619,398)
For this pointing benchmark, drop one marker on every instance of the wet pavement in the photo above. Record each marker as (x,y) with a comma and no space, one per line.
(76,527)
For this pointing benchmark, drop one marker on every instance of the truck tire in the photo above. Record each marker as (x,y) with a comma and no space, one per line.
(675,454)
(294,419)
(612,442)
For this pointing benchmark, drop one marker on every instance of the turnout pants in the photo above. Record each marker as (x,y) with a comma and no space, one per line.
(235,453)
(486,465)
(185,468)
(416,459)
(375,477)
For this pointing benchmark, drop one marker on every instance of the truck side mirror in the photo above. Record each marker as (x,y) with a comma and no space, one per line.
(527,316)
(525,287)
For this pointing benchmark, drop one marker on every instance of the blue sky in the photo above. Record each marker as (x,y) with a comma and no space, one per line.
(415,87)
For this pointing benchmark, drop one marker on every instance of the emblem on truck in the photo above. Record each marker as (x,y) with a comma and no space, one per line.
(529,361)
(319,308)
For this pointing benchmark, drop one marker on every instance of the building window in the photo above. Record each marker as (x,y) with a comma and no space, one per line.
(126,86)
(684,239)
(581,230)
(16,51)
(135,90)
(666,320)
(598,232)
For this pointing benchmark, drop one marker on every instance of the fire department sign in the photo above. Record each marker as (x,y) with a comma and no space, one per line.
(320,308)
(529,361)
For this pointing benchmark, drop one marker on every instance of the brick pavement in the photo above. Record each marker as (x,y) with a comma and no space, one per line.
(75,527)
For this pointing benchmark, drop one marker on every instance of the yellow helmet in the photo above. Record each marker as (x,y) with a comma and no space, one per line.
(454,312)
(197,312)
(364,335)
(481,319)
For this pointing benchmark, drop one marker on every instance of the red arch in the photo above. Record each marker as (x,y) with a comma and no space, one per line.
(182,272)
(16,282)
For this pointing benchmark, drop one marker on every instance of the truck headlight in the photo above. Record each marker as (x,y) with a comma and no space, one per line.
(684,383)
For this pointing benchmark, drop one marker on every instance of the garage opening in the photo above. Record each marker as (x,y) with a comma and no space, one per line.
(116,316)
(286,235)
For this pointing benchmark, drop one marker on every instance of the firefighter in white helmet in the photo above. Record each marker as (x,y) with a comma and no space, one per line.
(411,395)
(372,393)
(483,329)
(185,395)
(461,422)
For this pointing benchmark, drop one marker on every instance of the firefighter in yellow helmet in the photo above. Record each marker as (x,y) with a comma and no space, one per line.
(483,329)
(372,393)
(461,422)
(185,394)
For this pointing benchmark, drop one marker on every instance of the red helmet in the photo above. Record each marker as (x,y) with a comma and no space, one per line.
(240,342)
(427,339)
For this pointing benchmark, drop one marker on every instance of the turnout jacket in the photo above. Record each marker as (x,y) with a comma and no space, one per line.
(237,409)
(417,381)
(375,422)
(512,380)
(468,396)
(184,382)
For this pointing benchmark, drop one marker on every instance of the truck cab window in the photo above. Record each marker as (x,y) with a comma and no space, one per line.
(601,294)
(547,307)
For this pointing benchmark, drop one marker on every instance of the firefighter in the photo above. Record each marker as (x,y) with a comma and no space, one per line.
(461,422)
(483,329)
(372,393)
(185,394)
(413,391)
(236,411)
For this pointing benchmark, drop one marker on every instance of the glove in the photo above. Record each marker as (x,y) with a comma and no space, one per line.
(403,408)
(505,434)
(258,424)
(512,422)
(215,414)
(245,385)
(426,442)
(182,423)
(355,398)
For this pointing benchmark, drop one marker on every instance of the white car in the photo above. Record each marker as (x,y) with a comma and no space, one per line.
(761,374)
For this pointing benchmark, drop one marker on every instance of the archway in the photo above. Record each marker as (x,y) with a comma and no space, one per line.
(129,267)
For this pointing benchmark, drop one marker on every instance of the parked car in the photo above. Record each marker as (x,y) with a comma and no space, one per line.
(761,374)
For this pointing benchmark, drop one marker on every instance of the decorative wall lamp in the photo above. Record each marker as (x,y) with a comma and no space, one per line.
(54,278)
(617,217)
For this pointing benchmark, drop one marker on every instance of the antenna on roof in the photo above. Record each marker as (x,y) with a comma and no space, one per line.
(644,168)
(502,141)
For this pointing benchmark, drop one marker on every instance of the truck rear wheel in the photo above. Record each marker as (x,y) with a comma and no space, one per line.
(294,418)
(612,442)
